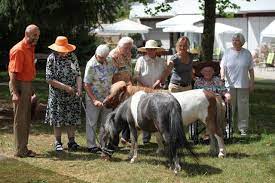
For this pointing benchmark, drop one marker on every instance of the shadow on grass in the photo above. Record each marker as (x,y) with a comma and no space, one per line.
(13,170)
(200,169)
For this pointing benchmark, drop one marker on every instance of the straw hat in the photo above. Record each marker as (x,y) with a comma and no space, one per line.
(151,44)
(198,66)
(62,45)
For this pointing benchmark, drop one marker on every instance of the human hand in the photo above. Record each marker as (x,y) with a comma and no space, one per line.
(69,90)
(15,98)
(97,103)
(79,92)
(227,97)
(156,84)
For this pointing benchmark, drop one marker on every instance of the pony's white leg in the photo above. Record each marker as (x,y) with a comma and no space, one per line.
(135,152)
(177,164)
(159,139)
(222,152)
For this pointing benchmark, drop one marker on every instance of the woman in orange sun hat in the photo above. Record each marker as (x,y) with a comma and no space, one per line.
(65,88)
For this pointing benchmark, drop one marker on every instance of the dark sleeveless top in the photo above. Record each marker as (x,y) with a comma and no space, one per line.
(181,73)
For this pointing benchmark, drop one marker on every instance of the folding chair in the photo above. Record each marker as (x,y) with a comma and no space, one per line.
(269,61)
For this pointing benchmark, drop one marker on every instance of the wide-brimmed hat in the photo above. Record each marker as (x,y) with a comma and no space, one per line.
(151,44)
(62,45)
(198,66)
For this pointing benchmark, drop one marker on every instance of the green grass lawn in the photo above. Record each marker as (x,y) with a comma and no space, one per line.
(248,159)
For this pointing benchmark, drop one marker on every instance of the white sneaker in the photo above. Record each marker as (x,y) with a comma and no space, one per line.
(243,133)
(58,146)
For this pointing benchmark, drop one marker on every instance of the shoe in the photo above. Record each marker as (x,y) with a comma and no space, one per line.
(73,146)
(124,142)
(58,147)
(95,150)
(243,133)
(29,153)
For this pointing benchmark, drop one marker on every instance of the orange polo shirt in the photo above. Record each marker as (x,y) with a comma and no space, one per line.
(22,61)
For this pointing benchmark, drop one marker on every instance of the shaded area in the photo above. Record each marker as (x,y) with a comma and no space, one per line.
(12,170)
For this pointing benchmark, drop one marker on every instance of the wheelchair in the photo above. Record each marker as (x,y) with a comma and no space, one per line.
(196,128)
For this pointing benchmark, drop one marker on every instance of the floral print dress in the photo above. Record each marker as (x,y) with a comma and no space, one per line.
(63,109)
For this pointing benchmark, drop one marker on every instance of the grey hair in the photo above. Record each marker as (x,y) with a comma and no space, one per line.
(239,36)
(102,50)
(125,40)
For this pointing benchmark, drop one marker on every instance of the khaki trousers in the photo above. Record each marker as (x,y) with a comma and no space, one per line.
(22,116)
(240,104)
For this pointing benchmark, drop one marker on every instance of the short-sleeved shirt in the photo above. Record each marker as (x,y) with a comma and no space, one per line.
(149,70)
(236,66)
(100,77)
(22,61)
(123,65)
(215,85)
(181,73)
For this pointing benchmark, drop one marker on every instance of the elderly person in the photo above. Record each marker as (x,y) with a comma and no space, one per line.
(180,64)
(22,72)
(238,73)
(97,82)
(207,78)
(121,58)
(65,89)
(149,70)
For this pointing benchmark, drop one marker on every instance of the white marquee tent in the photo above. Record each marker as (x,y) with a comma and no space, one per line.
(269,31)
(123,27)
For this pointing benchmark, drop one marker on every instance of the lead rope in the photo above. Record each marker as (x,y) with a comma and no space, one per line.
(105,150)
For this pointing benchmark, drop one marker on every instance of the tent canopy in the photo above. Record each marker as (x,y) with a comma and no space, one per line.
(269,31)
(179,20)
(123,27)
(219,28)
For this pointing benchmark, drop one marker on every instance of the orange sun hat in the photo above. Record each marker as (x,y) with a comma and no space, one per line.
(62,45)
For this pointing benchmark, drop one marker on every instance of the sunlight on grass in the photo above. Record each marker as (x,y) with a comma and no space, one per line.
(248,159)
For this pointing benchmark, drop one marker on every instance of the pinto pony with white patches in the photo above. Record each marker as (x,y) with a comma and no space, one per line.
(153,112)
(195,105)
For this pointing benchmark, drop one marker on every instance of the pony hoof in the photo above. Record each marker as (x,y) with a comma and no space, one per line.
(132,160)
(221,155)
(160,151)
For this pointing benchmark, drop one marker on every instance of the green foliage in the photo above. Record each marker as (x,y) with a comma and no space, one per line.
(70,18)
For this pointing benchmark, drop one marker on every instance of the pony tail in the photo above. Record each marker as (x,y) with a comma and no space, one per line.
(177,133)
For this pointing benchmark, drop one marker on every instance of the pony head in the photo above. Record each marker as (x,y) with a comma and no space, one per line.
(116,96)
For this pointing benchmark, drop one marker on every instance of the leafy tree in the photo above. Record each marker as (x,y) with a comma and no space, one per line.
(72,18)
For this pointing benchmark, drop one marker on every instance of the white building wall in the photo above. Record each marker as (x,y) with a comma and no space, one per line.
(223,40)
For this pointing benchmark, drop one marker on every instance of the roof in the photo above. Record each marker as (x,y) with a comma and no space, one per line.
(192,7)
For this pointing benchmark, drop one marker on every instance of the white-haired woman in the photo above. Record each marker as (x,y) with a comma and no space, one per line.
(238,73)
(121,57)
(97,82)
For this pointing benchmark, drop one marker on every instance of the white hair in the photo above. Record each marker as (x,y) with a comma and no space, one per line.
(239,36)
(102,50)
(125,40)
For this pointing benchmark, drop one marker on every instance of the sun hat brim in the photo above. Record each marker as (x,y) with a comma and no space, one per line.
(158,49)
(198,66)
(62,49)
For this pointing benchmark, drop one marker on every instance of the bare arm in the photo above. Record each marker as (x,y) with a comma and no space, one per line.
(15,94)
(90,93)
(61,86)
(79,85)
(251,82)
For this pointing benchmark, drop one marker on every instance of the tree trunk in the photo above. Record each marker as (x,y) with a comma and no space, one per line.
(208,30)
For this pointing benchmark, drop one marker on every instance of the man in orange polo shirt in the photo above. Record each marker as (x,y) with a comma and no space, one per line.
(22,72)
